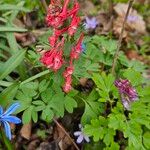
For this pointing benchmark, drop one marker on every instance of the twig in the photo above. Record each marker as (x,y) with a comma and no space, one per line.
(62,128)
(110,7)
(44,5)
(121,37)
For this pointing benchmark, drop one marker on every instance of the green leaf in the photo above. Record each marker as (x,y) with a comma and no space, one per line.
(109,136)
(34,115)
(47,114)
(38,102)
(134,133)
(12,7)
(70,104)
(96,129)
(11,64)
(116,121)
(92,109)
(114,146)
(12,29)
(134,76)
(12,42)
(36,76)
(146,139)
(47,95)
(43,85)
(8,94)
(27,114)
(57,104)
(105,84)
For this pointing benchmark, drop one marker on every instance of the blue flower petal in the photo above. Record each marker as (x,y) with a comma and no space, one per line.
(11,119)
(11,109)
(1,110)
(7,129)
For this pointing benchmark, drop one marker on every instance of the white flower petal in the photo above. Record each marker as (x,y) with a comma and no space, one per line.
(80,139)
(87,139)
(77,133)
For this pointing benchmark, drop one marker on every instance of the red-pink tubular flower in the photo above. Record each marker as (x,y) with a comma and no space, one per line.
(52,59)
(58,61)
(75,52)
(78,46)
(57,15)
(69,71)
(74,24)
(57,33)
(52,40)
(47,58)
(67,86)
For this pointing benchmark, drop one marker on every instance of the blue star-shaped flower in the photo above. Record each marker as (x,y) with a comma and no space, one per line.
(6,118)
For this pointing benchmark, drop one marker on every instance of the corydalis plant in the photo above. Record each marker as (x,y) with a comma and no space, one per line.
(58,16)
(127,92)
(6,118)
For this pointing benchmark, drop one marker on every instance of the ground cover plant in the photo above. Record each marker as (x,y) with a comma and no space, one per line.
(74,74)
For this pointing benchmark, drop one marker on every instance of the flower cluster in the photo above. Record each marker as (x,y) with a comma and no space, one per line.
(6,118)
(58,17)
(127,92)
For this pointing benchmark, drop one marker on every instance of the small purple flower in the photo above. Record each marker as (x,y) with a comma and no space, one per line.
(127,92)
(90,23)
(6,118)
(81,136)
(132,18)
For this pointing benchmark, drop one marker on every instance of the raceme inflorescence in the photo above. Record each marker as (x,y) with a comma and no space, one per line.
(63,18)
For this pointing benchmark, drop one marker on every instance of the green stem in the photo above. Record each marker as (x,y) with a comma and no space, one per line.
(7,144)
(35,76)
(5,83)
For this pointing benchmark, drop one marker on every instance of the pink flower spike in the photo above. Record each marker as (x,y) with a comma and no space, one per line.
(67,86)
(58,61)
(68,71)
(74,24)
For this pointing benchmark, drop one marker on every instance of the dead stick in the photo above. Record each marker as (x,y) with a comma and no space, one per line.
(44,5)
(121,37)
(62,128)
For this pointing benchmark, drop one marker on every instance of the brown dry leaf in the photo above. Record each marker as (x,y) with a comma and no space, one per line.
(134,24)
(20,37)
(63,140)
(26,131)
(87,7)
(105,23)
(83,81)
(132,54)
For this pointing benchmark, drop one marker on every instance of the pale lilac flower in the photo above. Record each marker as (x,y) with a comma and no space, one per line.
(132,18)
(81,136)
(127,92)
(90,23)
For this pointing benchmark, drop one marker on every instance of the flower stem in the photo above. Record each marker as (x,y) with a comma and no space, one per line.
(5,141)
(121,37)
